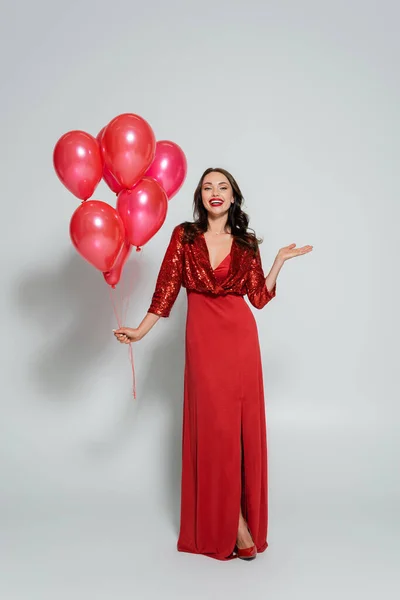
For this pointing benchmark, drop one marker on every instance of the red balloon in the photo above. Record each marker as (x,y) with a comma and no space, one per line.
(128,147)
(97,232)
(78,163)
(107,175)
(169,167)
(113,276)
(143,210)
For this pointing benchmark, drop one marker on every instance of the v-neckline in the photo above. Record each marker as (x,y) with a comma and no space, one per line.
(208,253)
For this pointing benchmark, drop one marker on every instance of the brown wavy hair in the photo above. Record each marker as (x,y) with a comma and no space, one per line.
(237,221)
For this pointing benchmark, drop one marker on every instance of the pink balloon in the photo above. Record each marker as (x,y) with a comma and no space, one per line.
(107,175)
(78,163)
(128,147)
(113,276)
(143,210)
(98,233)
(169,167)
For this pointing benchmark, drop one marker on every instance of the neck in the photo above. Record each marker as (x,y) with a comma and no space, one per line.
(218,225)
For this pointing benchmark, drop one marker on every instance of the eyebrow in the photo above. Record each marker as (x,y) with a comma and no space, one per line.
(219,183)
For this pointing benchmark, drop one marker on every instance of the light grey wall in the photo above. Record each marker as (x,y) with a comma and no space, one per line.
(300,100)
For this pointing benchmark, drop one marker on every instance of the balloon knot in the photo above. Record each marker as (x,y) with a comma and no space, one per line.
(138,249)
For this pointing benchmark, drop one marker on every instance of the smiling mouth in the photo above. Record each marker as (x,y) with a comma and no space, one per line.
(216,202)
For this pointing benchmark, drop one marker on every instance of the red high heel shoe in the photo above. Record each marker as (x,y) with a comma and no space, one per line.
(247,553)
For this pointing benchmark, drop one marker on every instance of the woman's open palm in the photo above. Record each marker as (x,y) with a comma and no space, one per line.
(291,251)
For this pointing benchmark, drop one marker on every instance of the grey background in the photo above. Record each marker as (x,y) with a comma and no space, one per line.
(300,100)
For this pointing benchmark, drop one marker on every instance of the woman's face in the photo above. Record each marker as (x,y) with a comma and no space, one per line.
(216,193)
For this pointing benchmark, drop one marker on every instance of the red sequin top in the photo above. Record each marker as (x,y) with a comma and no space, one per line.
(188,265)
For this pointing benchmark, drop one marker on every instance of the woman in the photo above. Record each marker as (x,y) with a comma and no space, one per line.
(224,507)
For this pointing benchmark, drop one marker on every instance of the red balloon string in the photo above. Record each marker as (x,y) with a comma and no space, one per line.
(114,307)
(126,296)
(120,324)
(133,372)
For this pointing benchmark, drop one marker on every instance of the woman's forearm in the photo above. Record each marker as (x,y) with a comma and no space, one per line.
(148,322)
(270,280)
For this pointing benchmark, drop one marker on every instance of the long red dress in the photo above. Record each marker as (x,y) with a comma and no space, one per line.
(224,445)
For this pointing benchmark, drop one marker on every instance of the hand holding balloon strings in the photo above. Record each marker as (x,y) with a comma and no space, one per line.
(121,320)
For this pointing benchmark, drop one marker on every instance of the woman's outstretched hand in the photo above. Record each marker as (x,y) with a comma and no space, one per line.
(126,335)
(291,251)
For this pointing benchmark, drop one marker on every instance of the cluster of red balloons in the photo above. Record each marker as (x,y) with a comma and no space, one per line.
(144,174)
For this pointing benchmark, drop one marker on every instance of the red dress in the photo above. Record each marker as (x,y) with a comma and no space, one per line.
(224,446)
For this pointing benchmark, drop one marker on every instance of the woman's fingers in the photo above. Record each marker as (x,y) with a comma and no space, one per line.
(121,337)
(121,330)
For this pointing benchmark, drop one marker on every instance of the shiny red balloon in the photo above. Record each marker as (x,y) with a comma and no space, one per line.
(113,276)
(143,210)
(107,175)
(78,163)
(169,167)
(128,147)
(98,233)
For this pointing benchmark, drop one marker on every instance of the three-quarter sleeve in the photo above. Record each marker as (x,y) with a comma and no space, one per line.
(169,278)
(256,288)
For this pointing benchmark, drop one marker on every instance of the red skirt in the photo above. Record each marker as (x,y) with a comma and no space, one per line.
(224,446)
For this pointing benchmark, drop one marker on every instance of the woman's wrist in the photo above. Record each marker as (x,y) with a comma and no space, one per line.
(149,320)
(142,330)
(279,261)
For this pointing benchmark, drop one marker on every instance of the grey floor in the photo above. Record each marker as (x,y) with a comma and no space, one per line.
(121,550)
